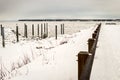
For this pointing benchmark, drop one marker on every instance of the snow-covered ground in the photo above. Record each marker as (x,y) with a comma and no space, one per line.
(46,59)
(106,65)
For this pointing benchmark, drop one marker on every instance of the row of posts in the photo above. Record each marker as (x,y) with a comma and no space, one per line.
(83,55)
(44,32)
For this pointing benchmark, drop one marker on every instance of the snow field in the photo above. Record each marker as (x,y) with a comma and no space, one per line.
(47,57)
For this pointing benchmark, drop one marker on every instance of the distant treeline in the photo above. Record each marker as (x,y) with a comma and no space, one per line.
(69,20)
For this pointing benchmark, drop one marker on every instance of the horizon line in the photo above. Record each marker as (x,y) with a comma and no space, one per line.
(67,19)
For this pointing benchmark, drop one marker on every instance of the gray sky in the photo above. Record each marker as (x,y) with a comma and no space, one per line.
(39,9)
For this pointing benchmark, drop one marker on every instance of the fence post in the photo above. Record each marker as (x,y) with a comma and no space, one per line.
(44,28)
(3,37)
(1,29)
(56,32)
(47,29)
(41,31)
(38,30)
(90,44)
(63,29)
(95,31)
(82,57)
(17,33)
(32,30)
(25,30)
(1,70)
(94,35)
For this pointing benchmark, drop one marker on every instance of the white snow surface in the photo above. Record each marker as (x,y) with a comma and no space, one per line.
(106,65)
(50,59)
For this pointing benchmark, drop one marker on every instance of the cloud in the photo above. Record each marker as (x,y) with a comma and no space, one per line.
(16,9)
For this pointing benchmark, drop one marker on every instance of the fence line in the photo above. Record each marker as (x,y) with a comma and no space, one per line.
(85,58)
(44,31)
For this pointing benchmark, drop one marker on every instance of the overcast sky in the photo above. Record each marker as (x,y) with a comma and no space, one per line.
(39,9)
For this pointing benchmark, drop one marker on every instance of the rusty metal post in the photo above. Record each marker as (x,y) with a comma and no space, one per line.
(44,28)
(56,32)
(25,30)
(98,28)
(17,33)
(90,44)
(41,31)
(95,31)
(61,29)
(38,30)
(94,35)
(3,37)
(82,57)
(47,29)
(1,29)
(32,30)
